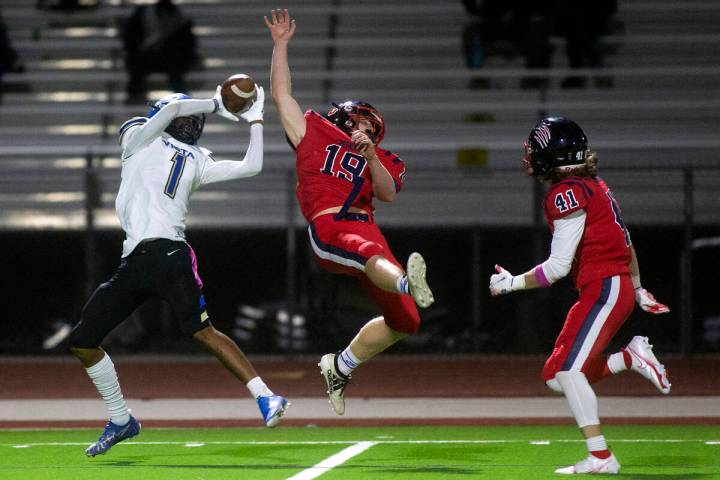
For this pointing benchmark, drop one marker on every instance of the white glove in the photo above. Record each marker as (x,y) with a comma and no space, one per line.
(220,107)
(648,303)
(255,113)
(504,282)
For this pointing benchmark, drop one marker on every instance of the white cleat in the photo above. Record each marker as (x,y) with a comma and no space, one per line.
(417,284)
(336,383)
(645,363)
(591,465)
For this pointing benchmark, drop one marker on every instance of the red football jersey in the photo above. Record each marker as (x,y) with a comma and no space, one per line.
(604,248)
(331,172)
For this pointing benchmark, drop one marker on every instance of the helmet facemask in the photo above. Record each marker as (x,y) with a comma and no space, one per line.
(187,129)
(527,159)
(347,117)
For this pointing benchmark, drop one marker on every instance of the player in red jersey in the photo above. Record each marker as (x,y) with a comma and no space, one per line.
(589,240)
(340,169)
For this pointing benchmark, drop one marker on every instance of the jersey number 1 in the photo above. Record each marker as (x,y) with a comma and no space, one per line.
(176,172)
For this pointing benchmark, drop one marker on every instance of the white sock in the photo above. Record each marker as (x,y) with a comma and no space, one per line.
(347,362)
(402,285)
(596,444)
(105,378)
(258,388)
(616,363)
(580,397)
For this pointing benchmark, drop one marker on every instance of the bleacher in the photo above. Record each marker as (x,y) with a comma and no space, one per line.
(661,114)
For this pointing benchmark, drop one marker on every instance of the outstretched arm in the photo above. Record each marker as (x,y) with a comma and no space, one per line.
(144,132)
(140,131)
(567,233)
(221,170)
(282,28)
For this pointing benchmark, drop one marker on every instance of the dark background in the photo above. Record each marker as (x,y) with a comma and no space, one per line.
(44,282)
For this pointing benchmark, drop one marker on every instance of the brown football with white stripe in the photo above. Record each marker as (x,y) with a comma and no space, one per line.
(238,93)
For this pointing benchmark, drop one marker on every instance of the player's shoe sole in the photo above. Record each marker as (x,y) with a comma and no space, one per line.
(335,382)
(419,289)
(646,364)
(592,465)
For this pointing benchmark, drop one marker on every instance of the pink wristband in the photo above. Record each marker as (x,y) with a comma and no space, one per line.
(540,277)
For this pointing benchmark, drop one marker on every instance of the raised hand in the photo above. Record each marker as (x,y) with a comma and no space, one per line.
(281,26)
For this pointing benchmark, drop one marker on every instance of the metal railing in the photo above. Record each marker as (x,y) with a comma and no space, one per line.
(538,242)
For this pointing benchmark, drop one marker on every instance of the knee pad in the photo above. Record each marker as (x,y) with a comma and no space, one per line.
(554,385)
(408,322)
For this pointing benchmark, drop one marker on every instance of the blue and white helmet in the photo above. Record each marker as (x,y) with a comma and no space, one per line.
(185,129)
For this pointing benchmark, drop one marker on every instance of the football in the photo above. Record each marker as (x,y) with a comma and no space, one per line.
(238,93)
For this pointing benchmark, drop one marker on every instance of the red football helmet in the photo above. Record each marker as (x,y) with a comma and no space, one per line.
(347,115)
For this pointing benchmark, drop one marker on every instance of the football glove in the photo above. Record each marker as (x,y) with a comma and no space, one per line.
(221,110)
(648,303)
(504,282)
(255,113)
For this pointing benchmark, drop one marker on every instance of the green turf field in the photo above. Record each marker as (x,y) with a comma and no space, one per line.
(416,453)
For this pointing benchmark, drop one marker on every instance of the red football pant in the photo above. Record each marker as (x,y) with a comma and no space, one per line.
(591,323)
(344,246)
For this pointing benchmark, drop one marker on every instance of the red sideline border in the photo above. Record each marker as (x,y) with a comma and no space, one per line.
(362,422)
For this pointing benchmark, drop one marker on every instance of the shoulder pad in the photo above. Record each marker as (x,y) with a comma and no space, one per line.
(130,123)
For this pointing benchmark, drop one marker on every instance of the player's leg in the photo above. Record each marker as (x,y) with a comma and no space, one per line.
(638,356)
(391,277)
(385,272)
(358,248)
(183,293)
(590,325)
(400,318)
(583,404)
(344,246)
(108,306)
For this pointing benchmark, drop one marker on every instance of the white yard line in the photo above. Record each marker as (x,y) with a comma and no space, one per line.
(333,461)
(372,442)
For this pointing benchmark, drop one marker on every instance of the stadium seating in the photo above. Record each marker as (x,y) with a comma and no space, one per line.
(661,114)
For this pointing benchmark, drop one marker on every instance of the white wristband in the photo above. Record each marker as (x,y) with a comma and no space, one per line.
(517,282)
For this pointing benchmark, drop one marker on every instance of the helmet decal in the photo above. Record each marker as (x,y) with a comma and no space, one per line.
(542,135)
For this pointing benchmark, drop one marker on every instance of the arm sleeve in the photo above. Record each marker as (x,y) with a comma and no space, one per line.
(567,233)
(221,170)
(134,136)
